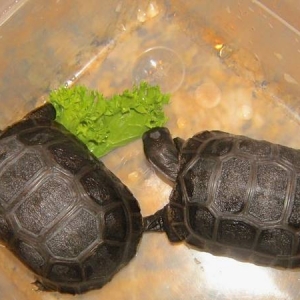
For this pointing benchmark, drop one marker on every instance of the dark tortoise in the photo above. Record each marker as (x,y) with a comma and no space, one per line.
(62,212)
(232,196)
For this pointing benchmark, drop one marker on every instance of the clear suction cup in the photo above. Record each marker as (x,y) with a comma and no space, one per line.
(160,66)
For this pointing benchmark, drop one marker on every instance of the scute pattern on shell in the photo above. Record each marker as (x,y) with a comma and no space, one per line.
(62,212)
(238,197)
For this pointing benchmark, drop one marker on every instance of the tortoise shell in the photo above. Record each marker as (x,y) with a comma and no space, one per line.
(237,197)
(62,212)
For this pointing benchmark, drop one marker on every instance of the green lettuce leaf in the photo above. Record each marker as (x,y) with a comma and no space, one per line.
(104,124)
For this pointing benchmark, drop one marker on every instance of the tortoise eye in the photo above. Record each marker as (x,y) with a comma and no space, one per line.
(155,135)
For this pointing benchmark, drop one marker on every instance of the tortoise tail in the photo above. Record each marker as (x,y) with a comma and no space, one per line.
(155,222)
(162,221)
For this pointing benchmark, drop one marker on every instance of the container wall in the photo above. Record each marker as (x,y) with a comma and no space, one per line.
(269,30)
(229,65)
(45,43)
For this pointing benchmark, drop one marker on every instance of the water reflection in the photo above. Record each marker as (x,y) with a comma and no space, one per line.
(228,276)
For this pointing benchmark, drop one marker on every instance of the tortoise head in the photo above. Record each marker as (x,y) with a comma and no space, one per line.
(161,151)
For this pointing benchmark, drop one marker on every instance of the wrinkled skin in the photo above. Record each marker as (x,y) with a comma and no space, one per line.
(62,212)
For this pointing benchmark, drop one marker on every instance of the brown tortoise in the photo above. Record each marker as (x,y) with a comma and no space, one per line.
(62,212)
(233,196)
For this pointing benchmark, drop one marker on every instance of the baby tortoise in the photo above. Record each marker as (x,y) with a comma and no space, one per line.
(233,196)
(62,212)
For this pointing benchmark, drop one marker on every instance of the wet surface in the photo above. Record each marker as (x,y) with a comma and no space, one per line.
(219,87)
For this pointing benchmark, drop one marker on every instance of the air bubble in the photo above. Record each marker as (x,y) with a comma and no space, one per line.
(225,51)
(152,9)
(141,15)
(208,94)
(246,112)
(160,66)
(144,14)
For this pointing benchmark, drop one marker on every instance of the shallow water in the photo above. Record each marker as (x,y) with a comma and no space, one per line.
(213,85)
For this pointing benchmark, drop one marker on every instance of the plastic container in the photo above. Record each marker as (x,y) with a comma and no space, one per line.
(229,65)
